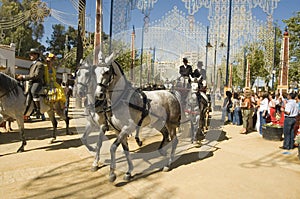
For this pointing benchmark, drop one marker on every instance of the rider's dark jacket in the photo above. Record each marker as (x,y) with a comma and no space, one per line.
(186,71)
(35,77)
(36,73)
(199,72)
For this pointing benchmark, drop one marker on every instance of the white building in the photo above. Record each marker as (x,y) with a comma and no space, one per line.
(7,58)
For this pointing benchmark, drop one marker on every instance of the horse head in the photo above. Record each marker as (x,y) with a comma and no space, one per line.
(105,74)
(85,74)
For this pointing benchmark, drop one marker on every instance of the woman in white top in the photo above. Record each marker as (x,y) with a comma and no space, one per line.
(263,110)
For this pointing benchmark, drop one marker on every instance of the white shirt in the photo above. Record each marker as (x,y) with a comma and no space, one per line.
(292,108)
(264,105)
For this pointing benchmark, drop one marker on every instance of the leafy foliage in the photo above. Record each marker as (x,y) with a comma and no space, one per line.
(293,25)
(26,35)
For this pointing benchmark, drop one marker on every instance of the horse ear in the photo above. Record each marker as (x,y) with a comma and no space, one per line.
(109,59)
(100,57)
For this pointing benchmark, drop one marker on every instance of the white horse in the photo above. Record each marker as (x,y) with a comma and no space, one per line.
(12,103)
(196,109)
(95,111)
(131,109)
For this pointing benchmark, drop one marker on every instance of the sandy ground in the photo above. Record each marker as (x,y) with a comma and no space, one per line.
(227,165)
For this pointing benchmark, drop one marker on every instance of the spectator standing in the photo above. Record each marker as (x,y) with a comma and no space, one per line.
(237,114)
(227,104)
(257,99)
(247,107)
(272,108)
(297,125)
(263,110)
(290,113)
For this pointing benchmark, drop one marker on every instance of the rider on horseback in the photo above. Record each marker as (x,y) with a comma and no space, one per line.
(35,78)
(185,70)
(200,74)
(55,91)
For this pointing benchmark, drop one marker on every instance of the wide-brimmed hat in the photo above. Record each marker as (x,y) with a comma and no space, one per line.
(34,51)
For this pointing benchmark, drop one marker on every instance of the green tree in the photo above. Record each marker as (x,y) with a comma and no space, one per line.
(57,41)
(293,25)
(22,23)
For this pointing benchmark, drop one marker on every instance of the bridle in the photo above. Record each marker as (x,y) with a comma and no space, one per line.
(107,83)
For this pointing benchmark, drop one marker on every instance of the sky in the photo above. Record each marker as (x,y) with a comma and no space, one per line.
(284,10)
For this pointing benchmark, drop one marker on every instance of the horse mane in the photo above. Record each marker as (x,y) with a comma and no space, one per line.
(121,71)
(119,67)
(8,85)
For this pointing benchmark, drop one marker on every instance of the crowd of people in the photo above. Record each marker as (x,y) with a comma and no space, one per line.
(253,110)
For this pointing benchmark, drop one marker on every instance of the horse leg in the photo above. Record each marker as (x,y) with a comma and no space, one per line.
(120,139)
(67,121)
(137,136)
(193,129)
(9,126)
(206,119)
(87,131)
(65,113)
(54,124)
(174,141)
(103,129)
(165,134)
(201,121)
(20,122)
(125,147)
(113,148)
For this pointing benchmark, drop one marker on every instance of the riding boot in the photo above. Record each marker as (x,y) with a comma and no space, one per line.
(38,107)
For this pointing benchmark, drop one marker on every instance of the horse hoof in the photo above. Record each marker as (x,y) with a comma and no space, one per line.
(52,140)
(94,168)
(166,169)
(140,143)
(20,150)
(127,176)
(112,177)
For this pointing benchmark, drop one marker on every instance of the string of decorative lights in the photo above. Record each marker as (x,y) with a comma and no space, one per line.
(65,18)
(267,6)
(77,4)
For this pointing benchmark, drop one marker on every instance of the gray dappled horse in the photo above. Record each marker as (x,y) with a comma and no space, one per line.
(131,109)
(12,104)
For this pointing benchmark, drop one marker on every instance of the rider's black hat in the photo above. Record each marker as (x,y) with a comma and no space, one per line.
(185,59)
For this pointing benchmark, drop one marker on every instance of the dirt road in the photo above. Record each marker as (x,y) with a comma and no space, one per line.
(227,165)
